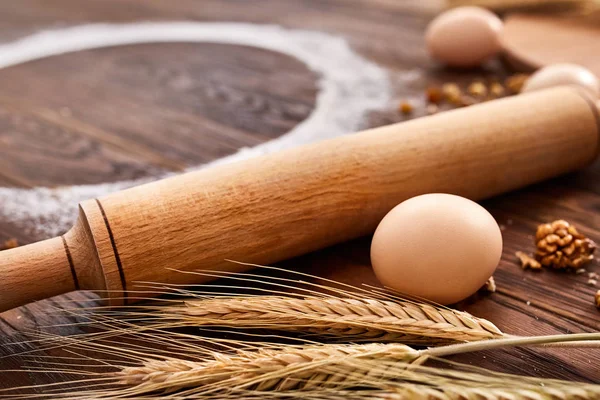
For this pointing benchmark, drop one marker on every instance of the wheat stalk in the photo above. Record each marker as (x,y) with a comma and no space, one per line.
(324,366)
(287,368)
(334,310)
(454,392)
(330,309)
(350,318)
(409,391)
(197,368)
(467,382)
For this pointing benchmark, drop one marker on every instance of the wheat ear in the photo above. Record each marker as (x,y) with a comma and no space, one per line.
(290,370)
(292,367)
(350,318)
(303,367)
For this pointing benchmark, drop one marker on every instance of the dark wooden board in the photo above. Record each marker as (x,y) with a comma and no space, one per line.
(118,113)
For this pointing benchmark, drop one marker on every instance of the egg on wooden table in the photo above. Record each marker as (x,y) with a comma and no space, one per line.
(439,247)
(464,36)
(563,74)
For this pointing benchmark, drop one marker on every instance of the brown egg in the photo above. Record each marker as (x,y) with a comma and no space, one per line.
(439,247)
(464,36)
(563,74)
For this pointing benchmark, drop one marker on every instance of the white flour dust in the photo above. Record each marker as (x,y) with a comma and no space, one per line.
(349,87)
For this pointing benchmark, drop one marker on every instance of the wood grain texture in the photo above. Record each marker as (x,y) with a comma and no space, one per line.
(48,263)
(175,130)
(534,41)
(271,208)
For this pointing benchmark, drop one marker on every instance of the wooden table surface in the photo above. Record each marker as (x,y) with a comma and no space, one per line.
(127,112)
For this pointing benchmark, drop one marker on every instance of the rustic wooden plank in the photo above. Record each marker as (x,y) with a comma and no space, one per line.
(35,152)
(156,101)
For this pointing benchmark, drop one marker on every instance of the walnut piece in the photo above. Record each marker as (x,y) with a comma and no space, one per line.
(477,89)
(452,93)
(515,82)
(496,89)
(405,107)
(527,261)
(561,246)
(9,244)
(434,95)
(490,285)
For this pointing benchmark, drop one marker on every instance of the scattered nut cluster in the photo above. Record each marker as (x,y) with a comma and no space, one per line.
(476,92)
(561,246)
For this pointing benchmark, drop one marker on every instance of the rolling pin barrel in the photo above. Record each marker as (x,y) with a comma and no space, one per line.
(274,207)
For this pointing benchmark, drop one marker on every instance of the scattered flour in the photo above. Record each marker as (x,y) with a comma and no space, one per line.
(349,87)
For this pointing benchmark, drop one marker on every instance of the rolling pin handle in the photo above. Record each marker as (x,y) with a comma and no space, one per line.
(52,267)
(34,272)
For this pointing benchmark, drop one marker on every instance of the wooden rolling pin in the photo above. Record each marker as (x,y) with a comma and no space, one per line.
(282,205)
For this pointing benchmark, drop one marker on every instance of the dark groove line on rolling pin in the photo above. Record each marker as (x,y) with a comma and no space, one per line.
(71,265)
(114,246)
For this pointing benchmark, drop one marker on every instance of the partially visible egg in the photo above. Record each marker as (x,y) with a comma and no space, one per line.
(464,36)
(563,74)
(439,247)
